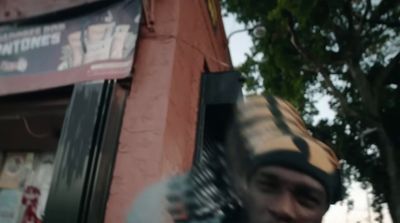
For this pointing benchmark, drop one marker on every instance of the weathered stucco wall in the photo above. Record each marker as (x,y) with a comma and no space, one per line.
(158,132)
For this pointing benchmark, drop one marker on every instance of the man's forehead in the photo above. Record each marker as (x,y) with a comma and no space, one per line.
(289,176)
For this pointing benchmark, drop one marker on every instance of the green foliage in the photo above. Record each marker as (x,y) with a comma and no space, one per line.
(347,49)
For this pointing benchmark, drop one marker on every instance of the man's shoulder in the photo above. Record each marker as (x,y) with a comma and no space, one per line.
(157,202)
(153,205)
(150,205)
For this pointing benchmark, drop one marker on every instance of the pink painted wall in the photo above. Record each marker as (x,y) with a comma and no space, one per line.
(159,127)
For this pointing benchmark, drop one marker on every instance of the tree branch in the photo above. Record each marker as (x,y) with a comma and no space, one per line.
(370,100)
(382,8)
(348,12)
(318,68)
(364,17)
(294,39)
(380,81)
(390,24)
(345,107)
(353,34)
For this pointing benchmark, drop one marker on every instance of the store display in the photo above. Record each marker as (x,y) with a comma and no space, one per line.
(37,188)
(30,200)
(15,169)
(25,181)
(1,160)
(10,205)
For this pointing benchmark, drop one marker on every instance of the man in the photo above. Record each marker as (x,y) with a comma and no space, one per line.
(277,173)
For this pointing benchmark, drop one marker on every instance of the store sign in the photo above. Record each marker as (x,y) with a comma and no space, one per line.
(97,45)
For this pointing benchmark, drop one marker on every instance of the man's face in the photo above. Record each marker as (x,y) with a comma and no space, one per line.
(276,194)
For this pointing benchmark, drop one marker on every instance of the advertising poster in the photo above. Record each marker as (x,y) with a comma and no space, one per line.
(96,45)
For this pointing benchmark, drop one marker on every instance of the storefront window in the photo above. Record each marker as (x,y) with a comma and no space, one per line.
(30,126)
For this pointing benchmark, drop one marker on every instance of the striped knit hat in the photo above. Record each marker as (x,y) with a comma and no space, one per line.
(269,131)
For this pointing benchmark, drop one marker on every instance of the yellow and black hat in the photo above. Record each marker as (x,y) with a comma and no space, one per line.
(269,131)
